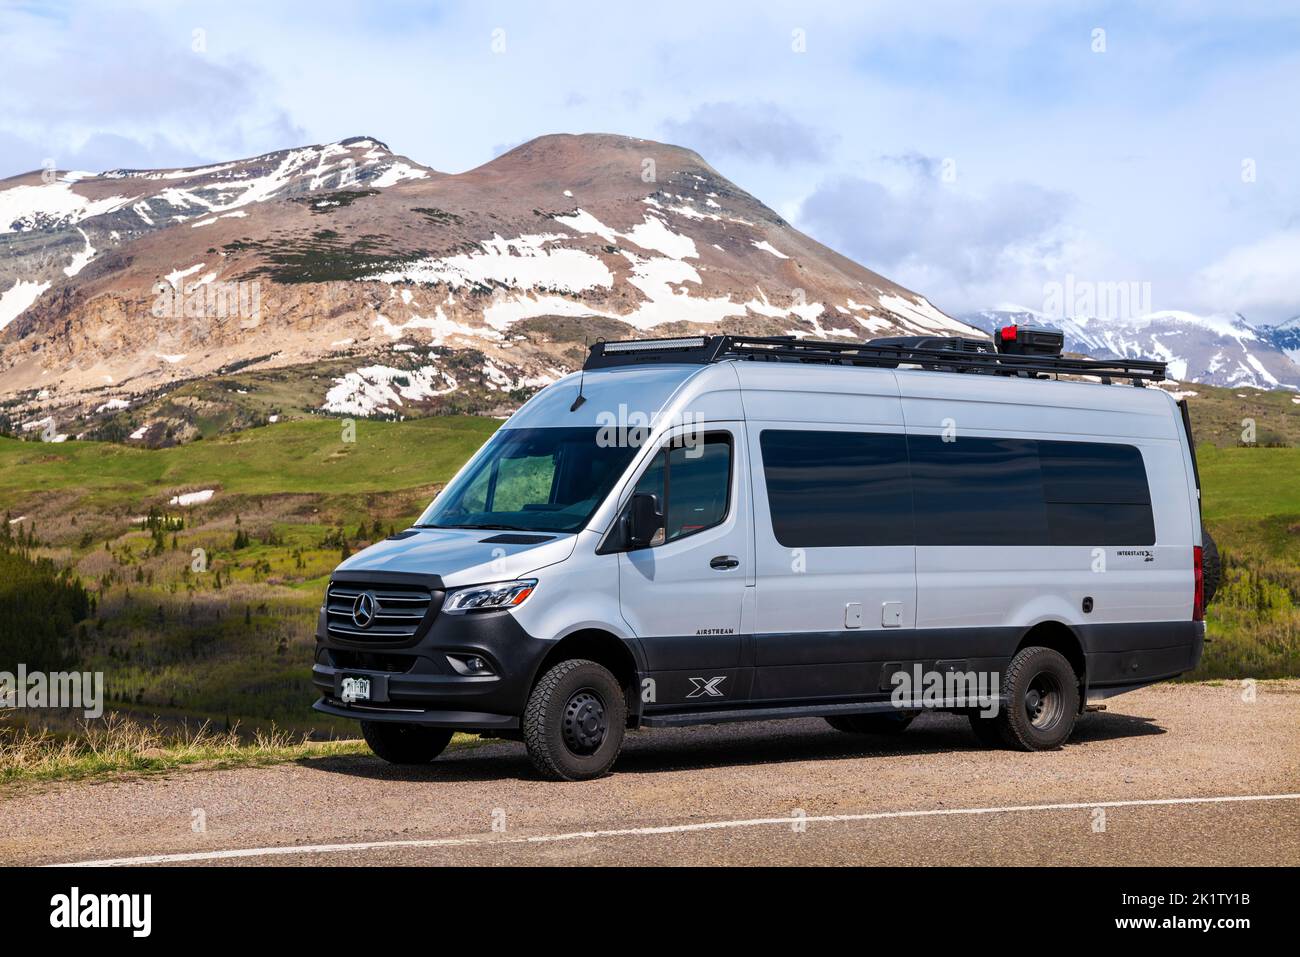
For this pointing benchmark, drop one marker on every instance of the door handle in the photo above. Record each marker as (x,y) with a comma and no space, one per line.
(724,562)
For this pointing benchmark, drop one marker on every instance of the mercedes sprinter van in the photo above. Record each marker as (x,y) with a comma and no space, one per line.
(730,528)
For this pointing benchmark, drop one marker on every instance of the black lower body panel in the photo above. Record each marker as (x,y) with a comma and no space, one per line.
(758,677)
(1141,652)
(429,718)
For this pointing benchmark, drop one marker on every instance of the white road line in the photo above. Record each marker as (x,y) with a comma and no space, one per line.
(659,829)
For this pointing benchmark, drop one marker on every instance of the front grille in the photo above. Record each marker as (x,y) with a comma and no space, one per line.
(397,611)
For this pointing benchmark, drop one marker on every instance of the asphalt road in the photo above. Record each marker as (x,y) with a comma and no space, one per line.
(1175,774)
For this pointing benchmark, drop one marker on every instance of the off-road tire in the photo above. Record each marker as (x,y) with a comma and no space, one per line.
(1040,700)
(574,722)
(405,743)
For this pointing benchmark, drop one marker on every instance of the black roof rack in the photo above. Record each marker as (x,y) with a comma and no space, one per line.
(926,352)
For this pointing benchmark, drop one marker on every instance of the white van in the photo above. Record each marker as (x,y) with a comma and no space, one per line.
(729,528)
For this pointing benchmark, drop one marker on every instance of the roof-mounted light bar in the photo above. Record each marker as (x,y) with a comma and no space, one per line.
(692,350)
(654,345)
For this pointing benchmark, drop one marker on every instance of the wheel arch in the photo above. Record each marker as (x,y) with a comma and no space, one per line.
(1061,638)
(606,649)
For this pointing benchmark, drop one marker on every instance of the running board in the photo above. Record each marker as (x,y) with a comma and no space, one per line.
(687,718)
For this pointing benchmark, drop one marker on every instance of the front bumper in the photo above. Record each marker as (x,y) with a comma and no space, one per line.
(412,681)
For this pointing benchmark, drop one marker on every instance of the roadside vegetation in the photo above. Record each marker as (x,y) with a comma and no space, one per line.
(1251,503)
(119,745)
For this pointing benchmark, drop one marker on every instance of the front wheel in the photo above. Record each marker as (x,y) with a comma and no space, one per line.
(574,722)
(405,743)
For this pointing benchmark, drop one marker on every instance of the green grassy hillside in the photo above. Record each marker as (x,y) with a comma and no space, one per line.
(304,456)
(1251,504)
(232,642)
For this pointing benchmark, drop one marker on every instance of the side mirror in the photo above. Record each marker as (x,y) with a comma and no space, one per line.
(645,523)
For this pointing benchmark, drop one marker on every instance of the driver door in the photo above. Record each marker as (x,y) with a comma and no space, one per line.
(684,594)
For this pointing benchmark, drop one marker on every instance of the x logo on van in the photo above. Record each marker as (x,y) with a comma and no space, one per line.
(708,687)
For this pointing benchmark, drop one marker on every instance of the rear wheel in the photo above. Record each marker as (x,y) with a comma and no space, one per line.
(1041,695)
(405,743)
(890,722)
(574,722)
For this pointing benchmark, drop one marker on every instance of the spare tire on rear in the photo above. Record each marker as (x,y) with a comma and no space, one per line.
(1211,566)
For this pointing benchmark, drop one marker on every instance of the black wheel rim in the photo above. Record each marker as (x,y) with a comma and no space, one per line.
(585,724)
(1044,701)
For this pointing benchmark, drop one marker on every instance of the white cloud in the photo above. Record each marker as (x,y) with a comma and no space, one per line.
(961,248)
(756,130)
(1261,279)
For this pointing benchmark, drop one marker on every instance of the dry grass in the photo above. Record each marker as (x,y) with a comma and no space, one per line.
(117,744)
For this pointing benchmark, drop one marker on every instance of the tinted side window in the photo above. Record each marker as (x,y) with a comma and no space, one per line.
(977,491)
(993,491)
(827,489)
(699,481)
(1096,494)
(693,485)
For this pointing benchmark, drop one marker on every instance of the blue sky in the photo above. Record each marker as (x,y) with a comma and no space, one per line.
(972,151)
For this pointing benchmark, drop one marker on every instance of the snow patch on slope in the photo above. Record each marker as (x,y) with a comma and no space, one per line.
(652,234)
(16,300)
(528,262)
(49,205)
(381,389)
(79,260)
(395,174)
(439,328)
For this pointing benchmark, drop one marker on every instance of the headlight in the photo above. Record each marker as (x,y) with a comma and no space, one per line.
(488,597)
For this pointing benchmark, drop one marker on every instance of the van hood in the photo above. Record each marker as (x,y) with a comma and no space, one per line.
(464,556)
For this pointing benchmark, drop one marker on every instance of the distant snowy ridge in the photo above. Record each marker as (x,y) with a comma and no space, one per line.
(1222,350)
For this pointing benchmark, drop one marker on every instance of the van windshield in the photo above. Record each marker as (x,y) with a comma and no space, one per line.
(535,480)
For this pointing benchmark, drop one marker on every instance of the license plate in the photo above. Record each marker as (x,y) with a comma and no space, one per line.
(355,689)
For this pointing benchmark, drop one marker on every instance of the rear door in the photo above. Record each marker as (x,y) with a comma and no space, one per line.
(683,595)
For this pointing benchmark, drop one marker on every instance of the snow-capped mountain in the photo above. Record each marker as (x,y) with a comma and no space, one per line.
(53,224)
(129,282)
(1286,336)
(1214,350)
